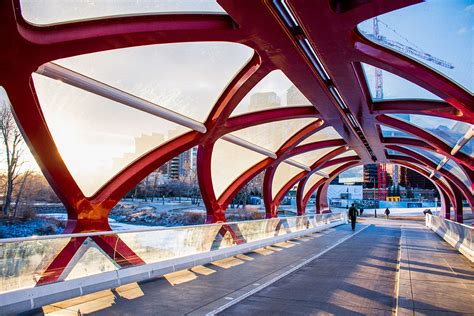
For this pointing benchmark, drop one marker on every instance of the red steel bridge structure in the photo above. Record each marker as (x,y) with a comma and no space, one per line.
(316,44)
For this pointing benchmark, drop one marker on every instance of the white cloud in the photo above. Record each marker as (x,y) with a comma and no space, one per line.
(462,30)
(469,8)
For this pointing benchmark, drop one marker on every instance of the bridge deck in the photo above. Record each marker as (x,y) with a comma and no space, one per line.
(358,276)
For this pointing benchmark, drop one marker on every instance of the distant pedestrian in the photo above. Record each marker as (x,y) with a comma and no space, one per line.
(387,213)
(352,216)
(361,211)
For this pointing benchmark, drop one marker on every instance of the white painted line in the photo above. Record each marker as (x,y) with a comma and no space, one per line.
(399,265)
(267,284)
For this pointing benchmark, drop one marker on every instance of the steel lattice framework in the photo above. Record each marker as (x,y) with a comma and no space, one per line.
(334,84)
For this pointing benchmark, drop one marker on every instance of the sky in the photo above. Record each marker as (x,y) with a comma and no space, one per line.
(442,28)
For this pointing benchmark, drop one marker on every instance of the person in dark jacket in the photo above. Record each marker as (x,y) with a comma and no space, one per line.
(387,212)
(352,216)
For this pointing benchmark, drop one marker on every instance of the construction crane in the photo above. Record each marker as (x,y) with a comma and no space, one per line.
(408,50)
(397,46)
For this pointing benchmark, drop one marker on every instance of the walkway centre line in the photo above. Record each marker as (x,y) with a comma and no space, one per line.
(270,282)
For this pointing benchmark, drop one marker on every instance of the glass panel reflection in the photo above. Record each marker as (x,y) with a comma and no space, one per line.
(349,153)
(394,87)
(455,170)
(326,133)
(272,135)
(468,148)
(330,169)
(393,132)
(273,91)
(449,131)
(431,155)
(283,174)
(97,137)
(44,12)
(228,162)
(312,180)
(187,78)
(410,30)
(311,157)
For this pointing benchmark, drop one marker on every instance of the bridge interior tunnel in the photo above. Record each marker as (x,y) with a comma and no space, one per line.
(298,90)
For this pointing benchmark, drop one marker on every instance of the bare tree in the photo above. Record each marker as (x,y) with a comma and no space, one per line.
(12,153)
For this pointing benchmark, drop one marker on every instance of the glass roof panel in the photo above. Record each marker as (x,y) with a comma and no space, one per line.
(272,135)
(312,180)
(97,137)
(431,155)
(352,175)
(454,168)
(436,33)
(283,174)
(311,157)
(349,153)
(326,133)
(468,148)
(394,87)
(394,152)
(330,169)
(187,78)
(46,12)
(449,131)
(273,91)
(228,162)
(393,132)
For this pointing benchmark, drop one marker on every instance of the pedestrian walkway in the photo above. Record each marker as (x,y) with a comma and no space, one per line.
(332,272)
(434,277)
(357,277)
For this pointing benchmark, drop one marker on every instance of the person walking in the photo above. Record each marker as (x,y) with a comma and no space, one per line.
(387,212)
(353,216)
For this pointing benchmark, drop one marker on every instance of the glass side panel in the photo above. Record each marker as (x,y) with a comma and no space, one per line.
(431,155)
(326,133)
(436,33)
(394,87)
(44,12)
(228,162)
(312,180)
(273,91)
(190,79)
(468,148)
(330,169)
(272,135)
(97,137)
(283,174)
(24,261)
(449,131)
(393,132)
(311,157)
(102,263)
(454,169)
(349,153)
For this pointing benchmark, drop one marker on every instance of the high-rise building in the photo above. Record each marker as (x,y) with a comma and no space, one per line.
(370,176)
(264,100)
(183,166)
(295,97)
